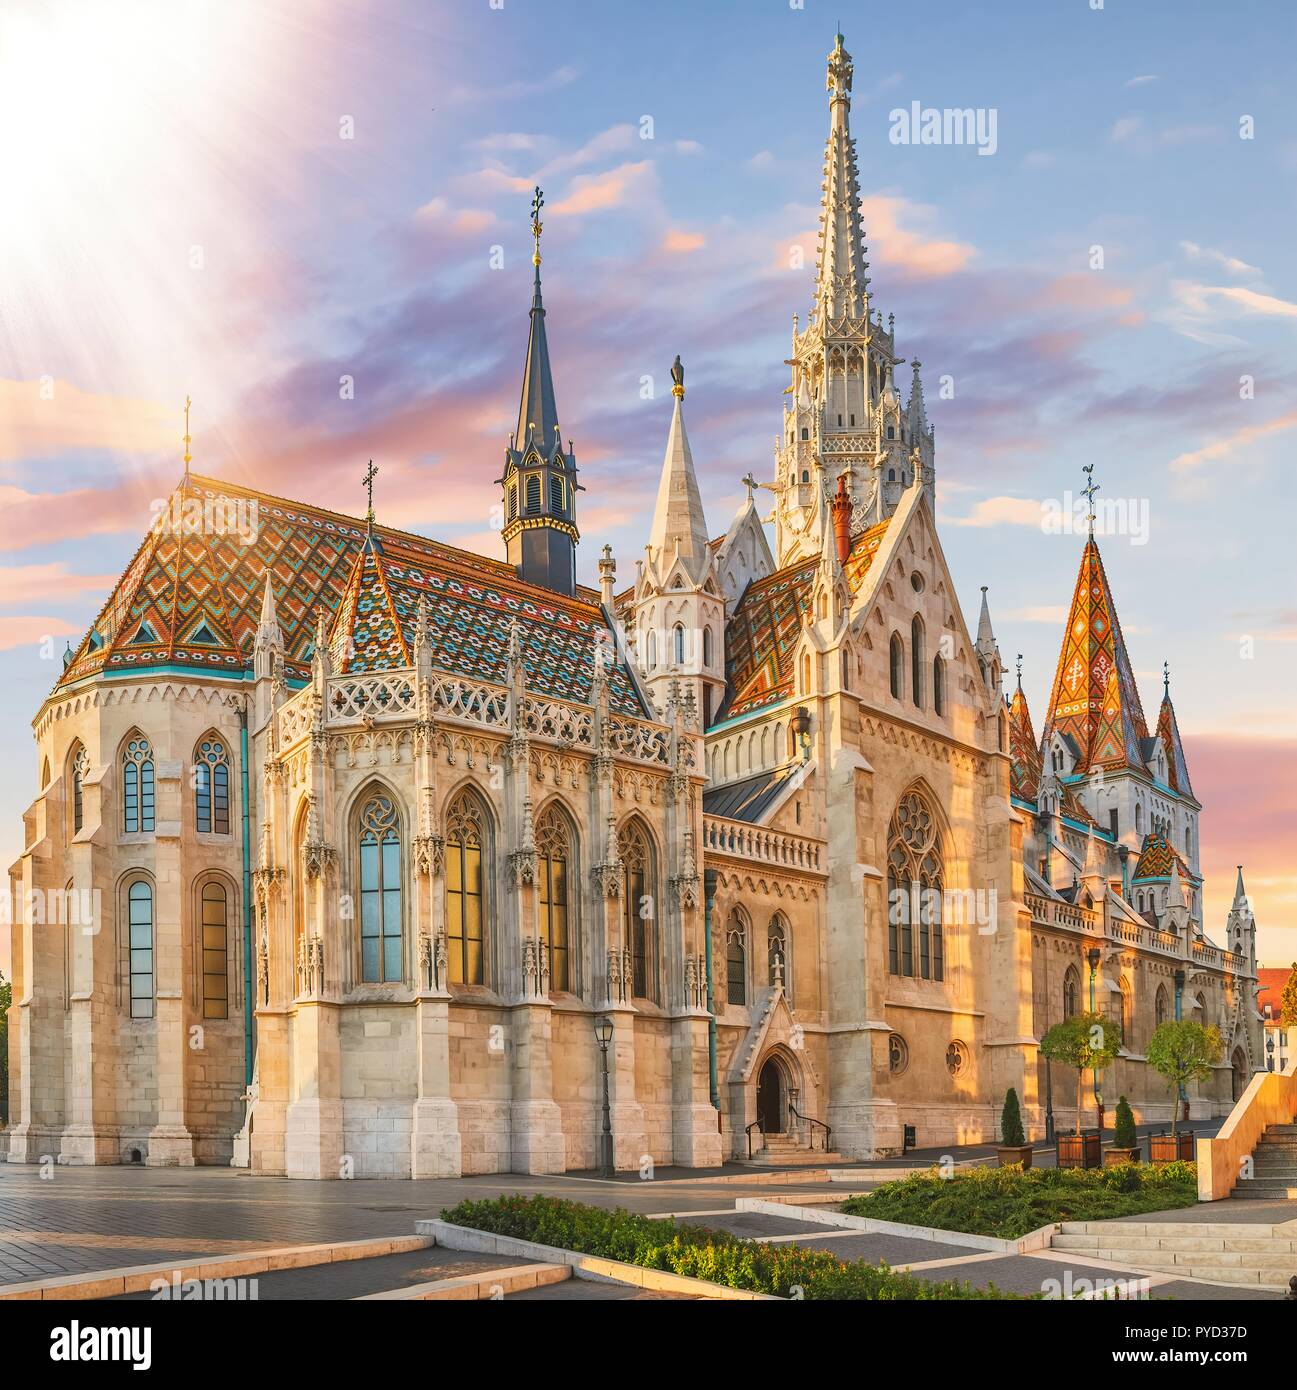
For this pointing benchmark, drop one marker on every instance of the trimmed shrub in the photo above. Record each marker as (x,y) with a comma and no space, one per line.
(1124,1135)
(788,1271)
(1010,1202)
(1011,1122)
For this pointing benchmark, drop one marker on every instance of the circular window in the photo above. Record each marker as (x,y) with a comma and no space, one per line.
(956,1059)
(916,582)
(898,1055)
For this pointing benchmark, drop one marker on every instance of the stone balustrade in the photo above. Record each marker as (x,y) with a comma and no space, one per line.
(740,840)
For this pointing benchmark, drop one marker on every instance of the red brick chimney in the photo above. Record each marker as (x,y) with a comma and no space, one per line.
(842,520)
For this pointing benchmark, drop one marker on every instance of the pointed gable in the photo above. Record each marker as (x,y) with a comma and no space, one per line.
(1094,700)
(1177,769)
(1025,765)
(761,638)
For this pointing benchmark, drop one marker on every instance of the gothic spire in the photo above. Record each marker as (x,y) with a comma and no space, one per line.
(678,519)
(841,289)
(537,410)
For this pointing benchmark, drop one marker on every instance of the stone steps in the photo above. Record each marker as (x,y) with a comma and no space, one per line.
(1252,1245)
(795,1158)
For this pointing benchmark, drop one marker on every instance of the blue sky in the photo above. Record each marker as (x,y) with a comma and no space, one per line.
(372,257)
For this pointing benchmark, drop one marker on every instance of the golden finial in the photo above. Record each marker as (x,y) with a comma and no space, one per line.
(537,202)
(187,439)
(368,480)
(677,379)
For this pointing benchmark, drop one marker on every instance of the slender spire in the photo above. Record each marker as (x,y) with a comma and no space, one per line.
(1240,893)
(268,617)
(537,410)
(985,633)
(842,287)
(188,441)
(916,415)
(678,519)
(1019,665)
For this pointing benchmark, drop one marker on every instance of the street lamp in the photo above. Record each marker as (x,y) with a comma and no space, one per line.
(802,728)
(1093,956)
(1179,1009)
(603,1031)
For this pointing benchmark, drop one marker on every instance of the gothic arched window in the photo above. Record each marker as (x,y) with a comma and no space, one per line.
(1161,1009)
(938,685)
(137,785)
(80,766)
(639,906)
(553,857)
(215,948)
(651,649)
(212,787)
(139,948)
(916,660)
(778,965)
(915,886)
(736,960)
(1071,992)
(707,647)
(897,659)
(380,892)
(465,905)
(678,644)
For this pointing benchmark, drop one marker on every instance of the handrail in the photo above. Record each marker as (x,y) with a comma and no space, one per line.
(818,1124)
(756,1124)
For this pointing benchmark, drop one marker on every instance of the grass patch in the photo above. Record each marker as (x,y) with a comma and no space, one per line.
(720,1258)
(1010,1202)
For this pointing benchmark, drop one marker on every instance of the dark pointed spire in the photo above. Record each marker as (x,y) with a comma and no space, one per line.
(537,411)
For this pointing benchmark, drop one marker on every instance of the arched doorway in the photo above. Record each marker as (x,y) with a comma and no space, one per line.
(770,1098)
(1238,1064)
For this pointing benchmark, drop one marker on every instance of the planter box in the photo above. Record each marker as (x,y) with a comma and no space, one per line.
(1014,1153)
(1112,1157)
(1080,1150)
(1162,1148)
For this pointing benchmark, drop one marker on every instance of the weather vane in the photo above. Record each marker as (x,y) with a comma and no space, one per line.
(187,440)
(1166,679)
(1088,491)
(537,202)
(1019,670)
(370,474)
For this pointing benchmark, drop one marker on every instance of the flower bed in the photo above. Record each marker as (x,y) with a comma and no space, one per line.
(1010,1202)
(784,1270)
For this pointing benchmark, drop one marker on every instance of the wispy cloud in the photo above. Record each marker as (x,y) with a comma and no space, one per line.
(1001,511)
(1231,443)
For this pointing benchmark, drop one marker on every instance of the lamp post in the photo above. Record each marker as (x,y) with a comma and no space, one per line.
(802,728)
(1093,956)
(603,1031)
(1179,1009)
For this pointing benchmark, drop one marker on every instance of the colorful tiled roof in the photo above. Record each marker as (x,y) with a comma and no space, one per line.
(761,635)
(1094,699)
(194,601)
(1156,857)
(1168,731)
(1026,764)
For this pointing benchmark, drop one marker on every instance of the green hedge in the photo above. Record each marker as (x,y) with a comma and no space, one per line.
(786,1270)
(1009,1202)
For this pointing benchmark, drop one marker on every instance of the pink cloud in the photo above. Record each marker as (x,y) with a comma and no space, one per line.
(599,192)
(42,418)
(679,242)
(32,631)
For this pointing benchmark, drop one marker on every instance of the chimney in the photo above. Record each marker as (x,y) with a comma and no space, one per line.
(842,520)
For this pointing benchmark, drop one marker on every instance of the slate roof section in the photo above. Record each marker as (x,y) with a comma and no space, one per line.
(750,799)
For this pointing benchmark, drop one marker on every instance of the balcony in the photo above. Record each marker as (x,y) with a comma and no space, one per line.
(735,839)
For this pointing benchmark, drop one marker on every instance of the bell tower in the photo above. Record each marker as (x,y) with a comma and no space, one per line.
(539,482)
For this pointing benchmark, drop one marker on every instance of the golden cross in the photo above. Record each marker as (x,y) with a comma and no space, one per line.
(187,440)
(537,202)
(370,474)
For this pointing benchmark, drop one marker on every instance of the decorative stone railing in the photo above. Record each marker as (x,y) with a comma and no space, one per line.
(392,696)
(1051,913)
(754,843)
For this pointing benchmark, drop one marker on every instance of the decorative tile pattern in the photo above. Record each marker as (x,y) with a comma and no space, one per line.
(1156,856)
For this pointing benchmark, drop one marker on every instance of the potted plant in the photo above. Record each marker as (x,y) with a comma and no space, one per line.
(1125,1147)
(1181,1051)
(1013,1146)
(1086,1042)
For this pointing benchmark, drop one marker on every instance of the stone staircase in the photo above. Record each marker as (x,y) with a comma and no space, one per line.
(1219,1252)
(788,1151)
(1274,1167)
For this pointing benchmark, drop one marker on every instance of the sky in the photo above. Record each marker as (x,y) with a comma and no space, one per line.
(313,219)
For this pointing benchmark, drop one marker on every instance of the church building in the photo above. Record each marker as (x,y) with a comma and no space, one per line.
(397,854)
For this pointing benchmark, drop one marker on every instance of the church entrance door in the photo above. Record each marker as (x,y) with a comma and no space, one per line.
(770,1098)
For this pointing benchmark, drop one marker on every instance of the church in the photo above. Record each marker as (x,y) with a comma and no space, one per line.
(402,858)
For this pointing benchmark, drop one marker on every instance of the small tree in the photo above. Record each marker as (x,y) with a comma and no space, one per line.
(1084,1041)
(1184,1051)
(1124,1136)
(1011,1135)
(1288,1004)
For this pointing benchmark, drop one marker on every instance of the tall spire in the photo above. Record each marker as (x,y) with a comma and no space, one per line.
(540,485)
(1094,700)
(1168,731)
(678,520)
(842,287)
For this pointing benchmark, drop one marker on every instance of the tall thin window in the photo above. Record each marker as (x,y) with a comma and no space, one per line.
(897,658)
(938,685)
(1071,993)
(212,788)
(1160,1010)
(777,962)
(916,660)
(707,647)
(637,863)
(533,492)
(736,960)
(465,833)
(137,786)
(679,644)
(651,649)
(556,495)
(80,766)
(380,892)
(139,917)
(553,852)
(915,889)
(216,960)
